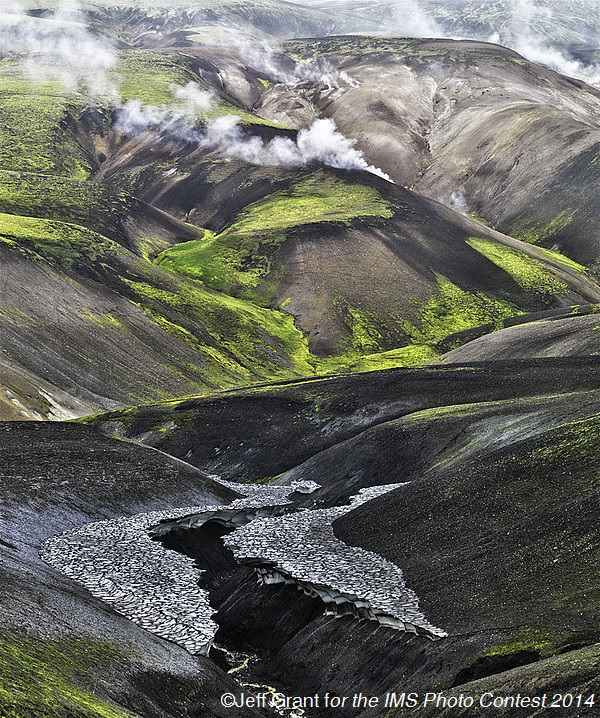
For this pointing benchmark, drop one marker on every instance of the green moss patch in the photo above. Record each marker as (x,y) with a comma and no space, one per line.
(65,200)
(565,261)
(150,76)
(318,197)
(53,678)
(543,641)
(453,310)
(450,310)
(536,233)
(38,131)
(239,337)
(578,441)
(411,355)
(539,282)
(60,243)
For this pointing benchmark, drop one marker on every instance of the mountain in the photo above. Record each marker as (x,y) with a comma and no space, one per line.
(161,212)
(299,365)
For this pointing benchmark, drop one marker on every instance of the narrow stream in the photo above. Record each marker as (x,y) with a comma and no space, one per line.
(240,666)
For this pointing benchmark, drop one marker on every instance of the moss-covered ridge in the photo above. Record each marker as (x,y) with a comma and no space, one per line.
(114,214)
(233,341)
(535,279)
(150,76)
(246,259)
(66,200)
(39,126)
(234,260)
(47,128)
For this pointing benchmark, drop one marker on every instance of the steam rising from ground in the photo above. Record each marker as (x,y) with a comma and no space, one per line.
(523,38)
(458,201)
(321,142)
(413,21)
(412,18)
(58,47)
(265,60)
(174,121)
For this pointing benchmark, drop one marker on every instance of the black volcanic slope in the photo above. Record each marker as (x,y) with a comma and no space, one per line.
(223,316)
(63,652)
(167,269)
(543,337)
(513,580)
(469,123)
(222,433)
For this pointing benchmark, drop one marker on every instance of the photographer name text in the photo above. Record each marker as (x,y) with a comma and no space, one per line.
(280,701)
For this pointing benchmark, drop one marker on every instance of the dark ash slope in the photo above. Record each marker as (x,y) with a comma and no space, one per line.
(64,652)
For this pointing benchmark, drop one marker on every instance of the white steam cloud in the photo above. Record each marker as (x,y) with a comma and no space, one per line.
(321,142)
(458,201)
(264,59)
(412,20)
(58,47)
(174,121)
(523,38)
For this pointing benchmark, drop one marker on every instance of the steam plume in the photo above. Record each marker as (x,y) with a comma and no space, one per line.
(321,142)
(412,20)
(264,59)
(523,38)
(458,201)
(58,47)
(174,121)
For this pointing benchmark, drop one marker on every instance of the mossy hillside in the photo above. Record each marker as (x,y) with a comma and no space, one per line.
(536,233)
(452,310)
(242,341)
(151,76)
(38,126)
(238,258)
(410,355)
(58,243)
(53,677)
(539,282)
(66,200)
(236,340)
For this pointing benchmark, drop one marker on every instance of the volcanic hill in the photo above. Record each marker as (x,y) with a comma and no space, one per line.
(276,269)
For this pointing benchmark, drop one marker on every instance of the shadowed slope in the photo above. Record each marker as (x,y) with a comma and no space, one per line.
(223,433)
(565,336)
(468,123)
(108,328)
(63,652)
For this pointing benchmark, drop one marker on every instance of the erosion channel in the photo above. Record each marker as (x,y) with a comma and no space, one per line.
(241,582)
